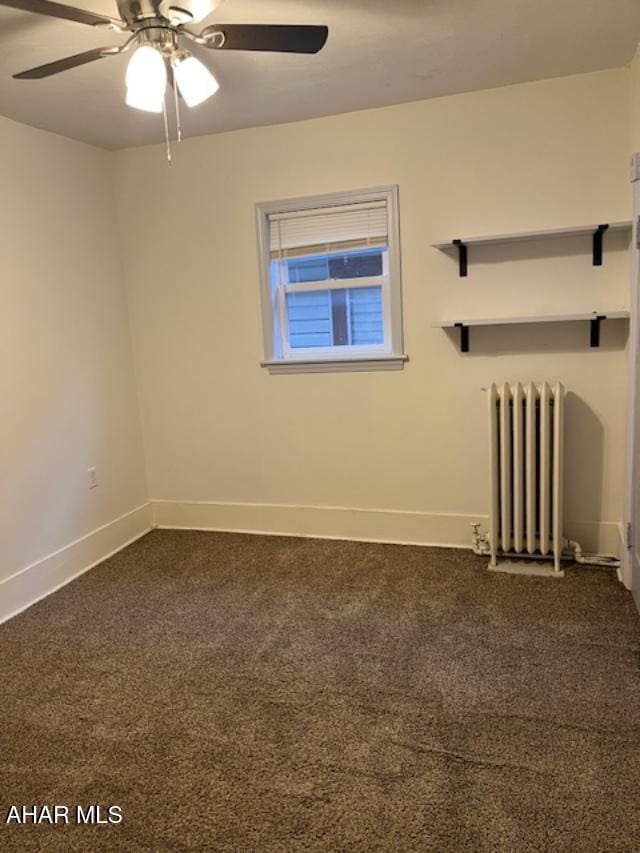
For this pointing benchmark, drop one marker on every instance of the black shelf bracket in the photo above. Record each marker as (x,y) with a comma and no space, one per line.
(597,245)
(462,257)
(595,330)
(464,336)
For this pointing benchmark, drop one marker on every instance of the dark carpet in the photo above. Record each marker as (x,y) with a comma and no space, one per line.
(251,693)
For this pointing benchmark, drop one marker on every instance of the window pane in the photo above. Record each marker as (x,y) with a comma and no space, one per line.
(338,317)
(309,319)
(365,308)
(355,265)
(308,269)
(325,318)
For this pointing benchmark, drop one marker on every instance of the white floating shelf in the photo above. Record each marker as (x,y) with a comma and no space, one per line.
(534,318)
(524,236)
(593,317)
(596,232)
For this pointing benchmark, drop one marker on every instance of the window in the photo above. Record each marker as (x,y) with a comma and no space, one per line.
(330,273)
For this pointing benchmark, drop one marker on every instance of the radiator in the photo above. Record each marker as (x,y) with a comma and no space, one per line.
(526,423)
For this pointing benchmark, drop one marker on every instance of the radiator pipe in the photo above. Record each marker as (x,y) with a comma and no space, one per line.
(482,548)
(592,559)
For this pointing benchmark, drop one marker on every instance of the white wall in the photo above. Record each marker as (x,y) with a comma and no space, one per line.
(67,390)
(231,446)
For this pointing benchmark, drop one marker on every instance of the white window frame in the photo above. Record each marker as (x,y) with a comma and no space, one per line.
(278,356)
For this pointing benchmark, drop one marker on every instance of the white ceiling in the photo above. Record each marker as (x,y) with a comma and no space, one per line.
(379,52)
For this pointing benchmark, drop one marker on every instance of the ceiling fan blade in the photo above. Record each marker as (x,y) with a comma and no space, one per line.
(274,37)
(59,10)
(65,64)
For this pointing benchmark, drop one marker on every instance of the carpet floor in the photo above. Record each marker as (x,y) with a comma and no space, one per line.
(250,693)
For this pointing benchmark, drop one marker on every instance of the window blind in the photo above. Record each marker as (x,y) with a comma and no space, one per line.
(325,230)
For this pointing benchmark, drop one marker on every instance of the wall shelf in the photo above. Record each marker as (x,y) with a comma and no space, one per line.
(596,232)
(594,318)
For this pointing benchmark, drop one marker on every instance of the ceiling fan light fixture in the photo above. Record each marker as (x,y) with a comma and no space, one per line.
(146,80)
(140,99)
(195,82)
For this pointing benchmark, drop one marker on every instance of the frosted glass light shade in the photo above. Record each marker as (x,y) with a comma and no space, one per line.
(195,81)
(146,80)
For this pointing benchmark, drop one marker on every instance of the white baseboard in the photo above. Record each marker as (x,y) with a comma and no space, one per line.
(48,574)
(318,522)
(369,525)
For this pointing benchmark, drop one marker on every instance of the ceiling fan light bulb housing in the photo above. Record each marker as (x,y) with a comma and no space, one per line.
(146,80)
(140,99)
(195,81)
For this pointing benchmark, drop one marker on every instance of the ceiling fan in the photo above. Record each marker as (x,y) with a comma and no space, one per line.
(158,32)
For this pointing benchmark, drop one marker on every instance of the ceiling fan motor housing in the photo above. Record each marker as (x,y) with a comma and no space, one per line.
(136,11)
(157,34)
(179,12)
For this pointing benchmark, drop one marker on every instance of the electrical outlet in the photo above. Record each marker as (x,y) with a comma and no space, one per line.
(93,478)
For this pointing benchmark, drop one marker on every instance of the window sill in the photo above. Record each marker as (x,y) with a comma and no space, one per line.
(336,365)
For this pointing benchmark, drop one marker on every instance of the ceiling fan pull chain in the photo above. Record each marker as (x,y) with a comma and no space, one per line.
(177,103)
(166,129)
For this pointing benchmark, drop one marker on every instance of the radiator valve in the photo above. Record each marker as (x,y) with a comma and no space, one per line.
(480,541)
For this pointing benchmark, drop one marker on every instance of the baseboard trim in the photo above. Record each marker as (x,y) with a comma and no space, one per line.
(398,527)
(288,533)
(47,575)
